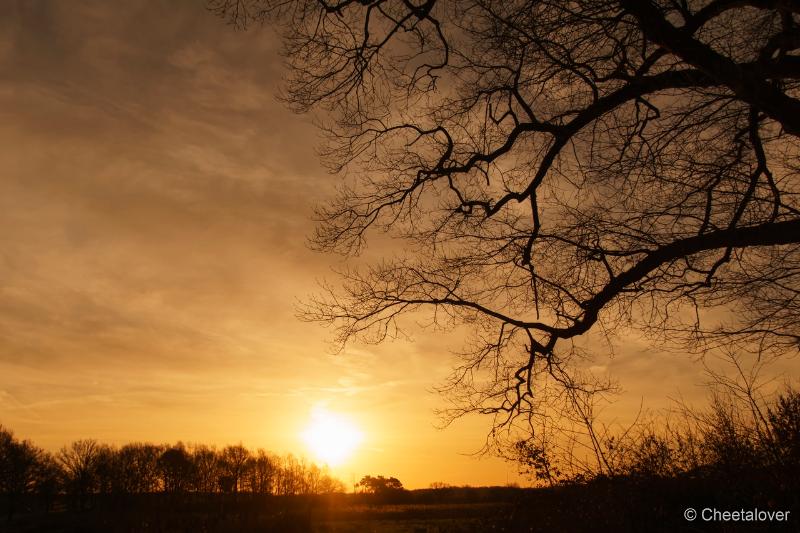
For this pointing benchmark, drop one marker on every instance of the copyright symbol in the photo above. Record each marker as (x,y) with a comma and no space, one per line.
(690,514)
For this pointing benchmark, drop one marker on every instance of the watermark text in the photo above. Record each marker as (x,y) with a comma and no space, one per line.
(711,514)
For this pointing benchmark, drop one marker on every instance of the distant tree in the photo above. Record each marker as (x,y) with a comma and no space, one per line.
(329,484)
(234,460)
(137,465)
(554,169)
(19,461)
(291,479)
(79,463)
(380,485)
(261,472)
(312,479)
(206,467)
(48,479)
(176,468)
(106,469)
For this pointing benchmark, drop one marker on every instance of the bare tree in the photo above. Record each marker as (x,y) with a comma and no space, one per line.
(138,469)
(79,462)
(292,476)
(206,467)
(235,461)
(261,472)
(557,168)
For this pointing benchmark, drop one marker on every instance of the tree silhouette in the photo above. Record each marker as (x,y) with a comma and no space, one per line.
(137,465)
(261,473)
(205,465)
(105,469)
(557,168)
(48,475)
(380,485)
(176,468)
(784,420)
(79,463)
(19,471)
(381,488)
(235,461)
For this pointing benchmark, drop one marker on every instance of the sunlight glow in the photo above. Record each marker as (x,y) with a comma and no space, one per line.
(331,437)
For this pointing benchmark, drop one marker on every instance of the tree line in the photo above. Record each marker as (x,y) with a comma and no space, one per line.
(85,471)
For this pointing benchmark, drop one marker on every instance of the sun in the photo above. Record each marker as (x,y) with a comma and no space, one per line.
(331,437)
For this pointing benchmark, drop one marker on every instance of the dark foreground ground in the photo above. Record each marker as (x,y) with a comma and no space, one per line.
(603,505)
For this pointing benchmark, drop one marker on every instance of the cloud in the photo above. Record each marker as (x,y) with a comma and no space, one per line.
(153,206)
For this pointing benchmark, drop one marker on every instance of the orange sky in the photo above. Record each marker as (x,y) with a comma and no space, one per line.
(154,204)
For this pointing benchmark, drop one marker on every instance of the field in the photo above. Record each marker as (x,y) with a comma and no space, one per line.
(618,506)
(390,518)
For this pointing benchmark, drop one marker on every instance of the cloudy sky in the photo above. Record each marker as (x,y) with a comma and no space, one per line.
(154,204)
